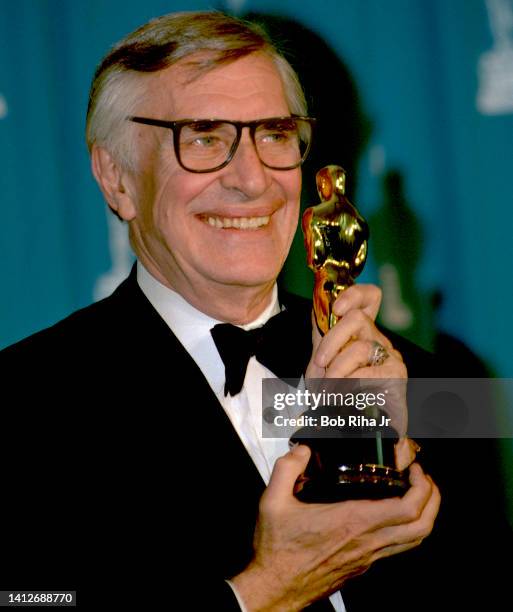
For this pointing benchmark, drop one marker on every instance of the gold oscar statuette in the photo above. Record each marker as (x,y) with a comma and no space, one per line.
(346,463)
(336,243)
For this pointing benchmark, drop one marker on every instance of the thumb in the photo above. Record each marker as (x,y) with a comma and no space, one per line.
(286,471)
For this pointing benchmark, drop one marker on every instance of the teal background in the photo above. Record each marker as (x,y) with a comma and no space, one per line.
(416,66)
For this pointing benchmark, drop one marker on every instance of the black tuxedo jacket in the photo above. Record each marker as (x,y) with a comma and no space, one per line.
(124,479)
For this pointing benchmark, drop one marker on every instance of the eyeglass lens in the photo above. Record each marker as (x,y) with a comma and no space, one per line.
(280,143)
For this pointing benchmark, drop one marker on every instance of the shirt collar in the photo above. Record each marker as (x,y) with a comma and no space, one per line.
(192,327)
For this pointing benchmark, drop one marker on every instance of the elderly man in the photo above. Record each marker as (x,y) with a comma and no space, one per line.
(197,129)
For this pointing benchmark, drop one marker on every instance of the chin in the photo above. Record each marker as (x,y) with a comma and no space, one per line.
(251,264)
(248,276)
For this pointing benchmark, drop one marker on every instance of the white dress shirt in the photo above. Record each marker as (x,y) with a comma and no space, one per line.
(192,328)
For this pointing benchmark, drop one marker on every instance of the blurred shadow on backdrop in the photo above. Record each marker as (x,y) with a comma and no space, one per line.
(396,245)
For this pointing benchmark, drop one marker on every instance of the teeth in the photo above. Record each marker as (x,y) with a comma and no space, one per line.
(238,222)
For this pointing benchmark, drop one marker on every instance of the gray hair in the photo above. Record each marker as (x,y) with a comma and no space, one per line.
(119,83)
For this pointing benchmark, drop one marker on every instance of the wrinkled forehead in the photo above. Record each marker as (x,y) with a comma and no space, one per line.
(194,83)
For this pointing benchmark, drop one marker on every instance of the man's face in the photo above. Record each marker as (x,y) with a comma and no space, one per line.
(176,229)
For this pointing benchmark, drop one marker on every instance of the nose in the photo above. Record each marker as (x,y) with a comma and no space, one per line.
(245,172)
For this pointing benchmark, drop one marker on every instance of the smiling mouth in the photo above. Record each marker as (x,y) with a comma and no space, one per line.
(245,223)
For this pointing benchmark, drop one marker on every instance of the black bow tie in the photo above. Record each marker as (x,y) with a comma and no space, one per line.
(269,344)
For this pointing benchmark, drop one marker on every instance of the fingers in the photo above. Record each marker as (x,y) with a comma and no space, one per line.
(347,351)
(405,451)
(394,512)
(414,501)
(355,325)
(416,498)
(401,538)
(393,367)
(421,493)
(285,473)
(335,356)
(355,356)
(359,297)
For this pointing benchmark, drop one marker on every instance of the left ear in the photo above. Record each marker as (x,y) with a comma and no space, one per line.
(114,183)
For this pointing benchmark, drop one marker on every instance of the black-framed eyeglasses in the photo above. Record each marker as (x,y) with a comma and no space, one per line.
(207,145)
